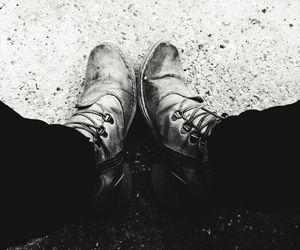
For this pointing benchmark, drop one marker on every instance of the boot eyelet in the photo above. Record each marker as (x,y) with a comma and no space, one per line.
(109,119)
(194,137)
(101,131)
(177,115)
(105,134)
(186,127)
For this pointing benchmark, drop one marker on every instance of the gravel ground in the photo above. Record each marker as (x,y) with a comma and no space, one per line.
(237,54)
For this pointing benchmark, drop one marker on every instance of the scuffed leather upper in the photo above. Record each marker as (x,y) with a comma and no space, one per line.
(165,96)
(109,90)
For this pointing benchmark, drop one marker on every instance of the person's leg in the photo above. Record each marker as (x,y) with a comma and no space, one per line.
(250,158)
(255,158)
(50,174)
(47,175)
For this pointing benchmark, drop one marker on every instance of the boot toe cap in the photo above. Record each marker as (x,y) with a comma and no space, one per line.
(162,60)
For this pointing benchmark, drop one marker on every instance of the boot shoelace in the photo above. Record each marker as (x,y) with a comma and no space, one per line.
(97,131)
(196,136)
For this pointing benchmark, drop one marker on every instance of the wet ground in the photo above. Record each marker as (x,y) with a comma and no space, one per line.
(237,54)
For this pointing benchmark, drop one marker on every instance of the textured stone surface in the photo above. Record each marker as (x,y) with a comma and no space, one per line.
(237,55)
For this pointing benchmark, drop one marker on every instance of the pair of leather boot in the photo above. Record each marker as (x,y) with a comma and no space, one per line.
(179,121)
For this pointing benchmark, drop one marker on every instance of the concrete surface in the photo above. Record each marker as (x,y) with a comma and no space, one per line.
(237,54)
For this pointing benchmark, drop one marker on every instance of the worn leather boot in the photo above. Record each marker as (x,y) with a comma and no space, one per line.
(180,122)
(104,114)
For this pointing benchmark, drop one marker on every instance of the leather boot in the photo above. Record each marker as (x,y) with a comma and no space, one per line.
(179,121)
(104,114)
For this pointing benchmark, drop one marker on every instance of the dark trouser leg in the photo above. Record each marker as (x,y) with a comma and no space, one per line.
(255,158)
(47,175)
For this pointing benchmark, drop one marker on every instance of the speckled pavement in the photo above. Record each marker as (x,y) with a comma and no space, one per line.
(237,54)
